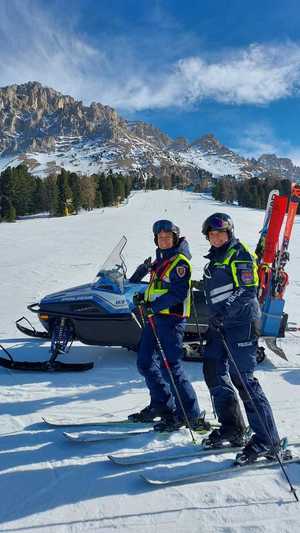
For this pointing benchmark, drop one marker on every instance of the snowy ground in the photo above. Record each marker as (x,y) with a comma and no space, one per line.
(52,485)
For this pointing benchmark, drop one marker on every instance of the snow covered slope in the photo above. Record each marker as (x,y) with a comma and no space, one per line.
(51,485)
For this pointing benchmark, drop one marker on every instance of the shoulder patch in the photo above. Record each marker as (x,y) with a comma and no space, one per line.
(246,276)
(181,271)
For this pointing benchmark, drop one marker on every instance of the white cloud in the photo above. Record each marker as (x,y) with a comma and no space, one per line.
(35,46)
(260,139)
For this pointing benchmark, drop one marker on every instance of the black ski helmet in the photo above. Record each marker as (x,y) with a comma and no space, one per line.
(166,225)
(218,222)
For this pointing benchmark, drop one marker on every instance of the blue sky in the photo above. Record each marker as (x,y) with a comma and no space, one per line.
(228,67)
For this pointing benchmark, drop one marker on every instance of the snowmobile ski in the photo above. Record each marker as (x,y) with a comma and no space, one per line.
(61,341)
(170,477)
(42,366)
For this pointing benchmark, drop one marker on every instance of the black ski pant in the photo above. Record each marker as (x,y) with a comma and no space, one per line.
(222,379)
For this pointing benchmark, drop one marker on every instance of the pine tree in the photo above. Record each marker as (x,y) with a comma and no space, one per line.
(74,184)
(64,206)
(88,192)
(52,194)
(108,191)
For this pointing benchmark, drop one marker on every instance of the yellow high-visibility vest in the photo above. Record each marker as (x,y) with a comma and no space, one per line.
(157,286)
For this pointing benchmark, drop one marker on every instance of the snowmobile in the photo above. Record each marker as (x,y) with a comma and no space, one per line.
(102,313)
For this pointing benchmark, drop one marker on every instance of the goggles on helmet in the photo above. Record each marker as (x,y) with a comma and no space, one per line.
(218,224)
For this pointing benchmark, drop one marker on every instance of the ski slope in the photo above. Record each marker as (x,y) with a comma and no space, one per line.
(49,484)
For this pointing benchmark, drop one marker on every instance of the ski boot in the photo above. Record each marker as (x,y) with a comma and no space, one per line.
(148,414)
(223,437)
(169,422)
(200,424)
(254,450)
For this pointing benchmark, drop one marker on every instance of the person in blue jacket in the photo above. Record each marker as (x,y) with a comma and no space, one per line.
(167,298)
(230,286)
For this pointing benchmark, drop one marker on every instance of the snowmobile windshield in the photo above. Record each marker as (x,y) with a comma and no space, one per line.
(112,273)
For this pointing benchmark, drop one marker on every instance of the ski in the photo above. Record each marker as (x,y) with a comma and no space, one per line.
(170,477)
(66,421)
(280,276)
(172,454)
(96,435)
(272,276)
(270,245)
(263,231)
(82,422)
(168,454)
(274,227)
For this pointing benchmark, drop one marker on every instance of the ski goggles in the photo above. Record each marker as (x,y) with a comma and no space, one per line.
(164,225)
(218,224)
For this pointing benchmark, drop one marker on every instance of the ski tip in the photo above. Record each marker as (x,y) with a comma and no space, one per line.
(151,481)
(48,421)
(71,437)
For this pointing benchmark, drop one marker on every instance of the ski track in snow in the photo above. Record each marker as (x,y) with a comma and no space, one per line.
(51,485)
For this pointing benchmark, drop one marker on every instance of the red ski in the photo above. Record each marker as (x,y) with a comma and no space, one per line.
(281,277)
(270,245)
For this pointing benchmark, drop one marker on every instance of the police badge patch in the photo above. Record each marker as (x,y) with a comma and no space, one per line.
(181,271)
(247,277)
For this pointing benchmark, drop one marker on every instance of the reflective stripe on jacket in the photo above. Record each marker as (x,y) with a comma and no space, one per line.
(231,284)
(160,285)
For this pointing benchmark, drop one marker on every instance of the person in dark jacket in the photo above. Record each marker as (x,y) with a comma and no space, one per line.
(167,298)
(230,286)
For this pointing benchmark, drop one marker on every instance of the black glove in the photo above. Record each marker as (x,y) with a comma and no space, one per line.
(216,322)
(141,271)
(147,263)
(138,298)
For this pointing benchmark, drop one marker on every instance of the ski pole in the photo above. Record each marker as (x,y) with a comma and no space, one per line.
(167,366)
(231,358)
(201,341)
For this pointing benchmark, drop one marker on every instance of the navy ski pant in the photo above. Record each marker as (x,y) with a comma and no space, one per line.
(220,376)
(170,331)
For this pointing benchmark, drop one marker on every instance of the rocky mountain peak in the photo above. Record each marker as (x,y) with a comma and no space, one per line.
(32,117)
(208,143)
(48,129)
(149,133)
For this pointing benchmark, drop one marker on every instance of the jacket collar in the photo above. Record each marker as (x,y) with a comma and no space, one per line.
(181,248)
(218,254)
